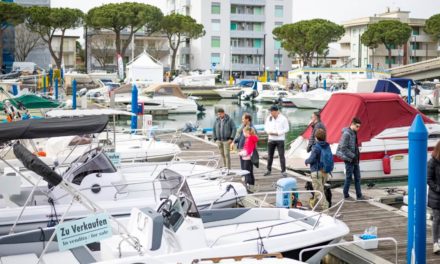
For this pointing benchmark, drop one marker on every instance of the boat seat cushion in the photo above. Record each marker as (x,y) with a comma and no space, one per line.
(19,259)
(55,258)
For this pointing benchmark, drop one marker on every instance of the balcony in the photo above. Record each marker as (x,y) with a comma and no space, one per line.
(345,39)
(184,3)
(421,38)
(248,18)
(185,50)
(246,50)
(249,2)
(423,53)
(246,67)
(246,34)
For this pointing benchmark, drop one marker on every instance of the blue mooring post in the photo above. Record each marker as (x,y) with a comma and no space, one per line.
(418,145)
(56,88)
(50,76)
(44,83)
(134,106)
(14,89)
(325,84)
(409,92)
(74,94)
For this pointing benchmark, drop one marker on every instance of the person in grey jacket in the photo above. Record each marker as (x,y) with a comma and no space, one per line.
(240,139)
(434,195)
(224,131)
(348,151)
(316,124)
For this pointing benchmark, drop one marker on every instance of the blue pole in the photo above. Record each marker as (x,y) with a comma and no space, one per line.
(325,84)
(14,89)
(74,94)
(50,76)
(56,88)
(44,83)
(418,145)
(134,106)
(409,92)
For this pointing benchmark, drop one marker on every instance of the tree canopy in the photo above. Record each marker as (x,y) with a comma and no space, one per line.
(308,37)
(10,14)
(432,26)
(48,21)
(178,28)
(120,16)
(390,33)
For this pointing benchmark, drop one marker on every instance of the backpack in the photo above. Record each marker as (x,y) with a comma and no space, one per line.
(326,159)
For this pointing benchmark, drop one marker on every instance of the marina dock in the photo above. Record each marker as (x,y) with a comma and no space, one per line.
(358,215)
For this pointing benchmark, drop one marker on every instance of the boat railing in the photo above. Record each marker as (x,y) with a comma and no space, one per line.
(338,206)
(347,243)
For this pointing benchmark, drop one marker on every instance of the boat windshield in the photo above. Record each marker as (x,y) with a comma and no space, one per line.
(93,161)
(267,87)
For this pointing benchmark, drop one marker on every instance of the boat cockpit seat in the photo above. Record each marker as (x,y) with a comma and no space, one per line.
(65,257)
(19,259)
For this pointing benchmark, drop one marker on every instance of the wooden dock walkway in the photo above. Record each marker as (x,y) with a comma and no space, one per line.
(390,221)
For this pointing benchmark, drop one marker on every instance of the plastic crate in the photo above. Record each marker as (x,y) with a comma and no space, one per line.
(365,243)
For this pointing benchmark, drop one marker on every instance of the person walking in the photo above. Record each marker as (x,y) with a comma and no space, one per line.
(246,120)
(316,124)
(348,151)
(276,127)
(249,147)
(224,132)
(434,195)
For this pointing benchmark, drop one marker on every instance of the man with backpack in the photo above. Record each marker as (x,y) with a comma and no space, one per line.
(321,164)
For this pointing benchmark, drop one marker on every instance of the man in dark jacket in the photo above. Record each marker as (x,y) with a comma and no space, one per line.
(224,132)
(316,124)
(434,195)
(348,151)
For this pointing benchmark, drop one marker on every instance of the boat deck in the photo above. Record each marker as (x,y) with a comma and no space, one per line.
(390,221)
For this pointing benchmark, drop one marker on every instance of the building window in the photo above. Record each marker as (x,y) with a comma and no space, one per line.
(233,26)
(258,10)
(277,44)
(278,24)
(393,60)
(233,9)
(258,43)
(215,42)
(414,59)
(215,58)
(278,60)
(258,27)
(415,45)
(279,10)
(215,24)
(215,8)
(416,31)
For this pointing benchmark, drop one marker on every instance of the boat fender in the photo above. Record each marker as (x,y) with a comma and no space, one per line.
(386,164)
(41,153)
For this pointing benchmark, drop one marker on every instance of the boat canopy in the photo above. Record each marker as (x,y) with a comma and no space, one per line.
(248,84)
(54,127)
(164,89)
(377,111)
(386,86)
(87,112)
(403,82)
(31,101)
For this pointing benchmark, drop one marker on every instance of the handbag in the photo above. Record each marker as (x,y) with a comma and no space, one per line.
(255,158)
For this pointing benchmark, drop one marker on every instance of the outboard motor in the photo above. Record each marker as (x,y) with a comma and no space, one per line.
(82,92)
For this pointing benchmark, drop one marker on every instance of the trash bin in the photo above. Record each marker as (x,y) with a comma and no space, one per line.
(286,200)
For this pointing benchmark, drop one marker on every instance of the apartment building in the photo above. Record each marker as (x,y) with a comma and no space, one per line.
(238,38)
(101,49)
(419,47)
(69,50)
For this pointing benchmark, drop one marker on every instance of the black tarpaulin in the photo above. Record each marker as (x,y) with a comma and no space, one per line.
(53,127)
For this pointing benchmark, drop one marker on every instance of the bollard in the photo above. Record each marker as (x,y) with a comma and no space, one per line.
(50,76)
(134,105)
(14,90)
(74,94)
(325,84)
(44,83)
(409,93)
(56,88)
(417,156)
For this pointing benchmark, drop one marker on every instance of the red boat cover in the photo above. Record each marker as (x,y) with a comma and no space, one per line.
(377,111)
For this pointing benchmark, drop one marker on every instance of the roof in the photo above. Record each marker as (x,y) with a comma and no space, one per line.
(144,60)
(164,89)
(377,111)
(53,127)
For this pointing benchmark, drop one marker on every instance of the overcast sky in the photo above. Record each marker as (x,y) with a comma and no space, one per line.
(334,10)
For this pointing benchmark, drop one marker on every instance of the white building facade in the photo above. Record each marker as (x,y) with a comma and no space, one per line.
(238,36)
(418,48)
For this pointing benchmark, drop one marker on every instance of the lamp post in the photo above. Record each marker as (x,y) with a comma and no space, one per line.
(279,61)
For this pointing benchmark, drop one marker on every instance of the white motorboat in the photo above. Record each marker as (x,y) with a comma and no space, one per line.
(236,91)
(383,136)
(315,99)
(177,231)
(271,92)
(196,79)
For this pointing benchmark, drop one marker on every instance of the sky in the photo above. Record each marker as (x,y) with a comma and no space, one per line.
(334,10)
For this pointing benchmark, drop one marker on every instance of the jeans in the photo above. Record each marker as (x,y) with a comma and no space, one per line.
(249,178)
(352,169)
(279,145)
(435,225)
(224,148)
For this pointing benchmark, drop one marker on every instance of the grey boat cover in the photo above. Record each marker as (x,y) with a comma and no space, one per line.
(35,164)
(54,127)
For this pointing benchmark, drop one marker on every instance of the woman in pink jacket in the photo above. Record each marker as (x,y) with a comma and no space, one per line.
(249,147)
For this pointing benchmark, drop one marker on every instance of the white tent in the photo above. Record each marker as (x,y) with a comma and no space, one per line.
(144,69)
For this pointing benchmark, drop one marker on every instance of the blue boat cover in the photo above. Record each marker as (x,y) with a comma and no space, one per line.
(248,83)
(403,82)
(385,86)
